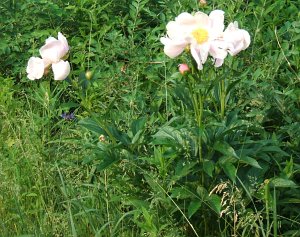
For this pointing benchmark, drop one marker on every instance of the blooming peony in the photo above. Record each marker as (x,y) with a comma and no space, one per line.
(52,53)
(196,31)
(204,35)
(232,41)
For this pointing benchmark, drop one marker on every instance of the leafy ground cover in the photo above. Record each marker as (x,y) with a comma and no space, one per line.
(127,163)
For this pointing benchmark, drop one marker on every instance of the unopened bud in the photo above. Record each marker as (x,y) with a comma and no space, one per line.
(88,75)
(202,2)
(183,68)
(102,138)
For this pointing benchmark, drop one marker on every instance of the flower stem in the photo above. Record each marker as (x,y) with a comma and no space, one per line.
(198,104)
(222,98)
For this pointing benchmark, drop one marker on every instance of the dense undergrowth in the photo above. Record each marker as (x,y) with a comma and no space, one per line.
(128,164)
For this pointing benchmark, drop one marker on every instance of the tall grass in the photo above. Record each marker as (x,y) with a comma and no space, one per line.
(128,164)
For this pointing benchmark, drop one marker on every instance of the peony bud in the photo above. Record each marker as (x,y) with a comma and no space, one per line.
(88,75)
(183,68)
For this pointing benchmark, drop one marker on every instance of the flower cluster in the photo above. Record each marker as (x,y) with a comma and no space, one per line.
(204,35)
(52,54)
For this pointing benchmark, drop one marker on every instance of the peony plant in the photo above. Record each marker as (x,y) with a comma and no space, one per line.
(52,54)
(204,36)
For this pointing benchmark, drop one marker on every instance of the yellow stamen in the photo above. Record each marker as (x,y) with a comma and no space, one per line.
(200,35)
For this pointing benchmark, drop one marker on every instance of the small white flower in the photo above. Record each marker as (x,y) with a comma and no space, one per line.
(61,70)
(35,68)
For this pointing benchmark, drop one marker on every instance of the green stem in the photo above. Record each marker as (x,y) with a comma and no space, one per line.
(201,100)
(197,100)
(222,98)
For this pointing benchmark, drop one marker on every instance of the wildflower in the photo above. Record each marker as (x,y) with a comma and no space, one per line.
(102,138)
(68,116)
(183,68)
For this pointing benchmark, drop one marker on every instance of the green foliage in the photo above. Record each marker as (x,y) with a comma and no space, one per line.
(137,160)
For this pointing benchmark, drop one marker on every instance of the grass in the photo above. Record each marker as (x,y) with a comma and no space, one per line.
(128,164)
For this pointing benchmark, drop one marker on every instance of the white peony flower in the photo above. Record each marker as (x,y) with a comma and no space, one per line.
(198,32)
(55,49)
(61,70)
(35,68)
(204,36)
(232,41)
(239,39)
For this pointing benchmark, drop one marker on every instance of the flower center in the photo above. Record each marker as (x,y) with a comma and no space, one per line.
(200,35)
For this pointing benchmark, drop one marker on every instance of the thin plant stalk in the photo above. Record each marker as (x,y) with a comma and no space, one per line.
(198,104)
(222,98)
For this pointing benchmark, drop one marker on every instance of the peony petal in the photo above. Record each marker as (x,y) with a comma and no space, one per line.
(50,39)
(35,68)
(247,39)
(202,20)
(217,21)
(51,51)
(61,70)
(185,18)
(219,62)
(204,49)
(173,48)
(54,49)
(238,38)
(218,49)
(64,41)
(196,55)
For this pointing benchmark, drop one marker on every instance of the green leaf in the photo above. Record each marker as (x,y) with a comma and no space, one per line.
(208,167)
(225,149)
(137,125)
(181,193)
(193,207)
(215,203)
(92,126)
(230,170)
(183,169)
(109,158)
(250,161)
(282,183)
